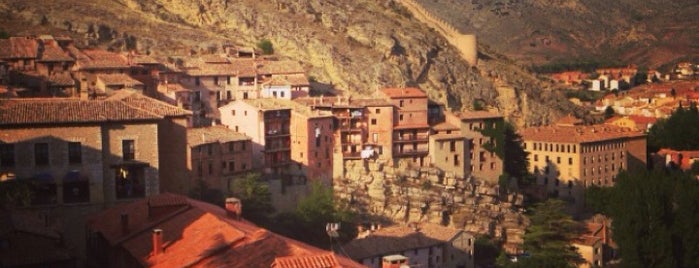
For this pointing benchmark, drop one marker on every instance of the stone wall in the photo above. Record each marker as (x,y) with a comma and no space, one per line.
(411,194)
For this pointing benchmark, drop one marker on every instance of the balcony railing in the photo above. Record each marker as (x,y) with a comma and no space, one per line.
(411,138)
(276,132)
(410,152)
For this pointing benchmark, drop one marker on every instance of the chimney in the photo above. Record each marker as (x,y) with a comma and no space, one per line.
(124,222)
(157,242)
(234,208)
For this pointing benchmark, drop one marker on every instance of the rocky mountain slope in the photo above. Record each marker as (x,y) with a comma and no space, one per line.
(645,32)
(355,46)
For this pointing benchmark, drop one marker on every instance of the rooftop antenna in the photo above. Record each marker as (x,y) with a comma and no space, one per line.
(331,228)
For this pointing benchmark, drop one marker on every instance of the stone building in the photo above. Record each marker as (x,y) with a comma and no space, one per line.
(312,143)
(410,128)
(424,244)
(450,150)
(486,154)
(216,155)
(568,157)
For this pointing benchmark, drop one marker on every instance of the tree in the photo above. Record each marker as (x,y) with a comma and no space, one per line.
(678,132)
(547,240)
(266,46)
(255,196)
(478,105)
(202,191)
(609,112)
(307,222)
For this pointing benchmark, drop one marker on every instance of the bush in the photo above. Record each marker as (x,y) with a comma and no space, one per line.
(266,46)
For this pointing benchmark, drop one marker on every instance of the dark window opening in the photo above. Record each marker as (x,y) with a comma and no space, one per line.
(41,154)
(128,149)
(75,153)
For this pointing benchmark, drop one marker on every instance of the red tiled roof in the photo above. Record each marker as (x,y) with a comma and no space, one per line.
(577,134)
(62,111)
(61,80)
(445,126)
(467,114)
(687,157)
(313,261)
(118,80)
(196,234)
(213,134)
(53,53)
(101,59)
(409,92)
(569,120)
(398,239)
(19,48)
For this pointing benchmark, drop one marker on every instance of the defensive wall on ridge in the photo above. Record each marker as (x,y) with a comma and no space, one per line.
(465,43)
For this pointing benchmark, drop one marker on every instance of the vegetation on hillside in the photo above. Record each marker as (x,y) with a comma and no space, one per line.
(654,217)
(679,131)
(547,240)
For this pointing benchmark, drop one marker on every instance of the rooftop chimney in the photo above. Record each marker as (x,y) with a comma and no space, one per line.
(124,222)
(157,241)
(234,208)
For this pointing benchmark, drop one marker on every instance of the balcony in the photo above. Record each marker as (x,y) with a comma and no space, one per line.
(410,152)
(272,133)
(351,155)
(411,138)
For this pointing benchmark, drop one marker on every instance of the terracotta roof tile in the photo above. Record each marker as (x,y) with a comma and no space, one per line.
(213,134)
(61,79)
(312,261)
(409,92)
(578,134)
(197,234)
(397,239)
(53,53)
(467,114)
(118,80)
(101,59)
(21,48)
(444,126)
(61,111)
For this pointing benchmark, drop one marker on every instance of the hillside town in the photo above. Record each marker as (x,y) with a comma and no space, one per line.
(118,159)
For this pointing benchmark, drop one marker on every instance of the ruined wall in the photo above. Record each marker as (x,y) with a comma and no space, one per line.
(465,43)
(411,194)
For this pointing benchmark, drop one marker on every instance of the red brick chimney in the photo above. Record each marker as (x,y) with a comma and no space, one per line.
(157,242)
(234,208)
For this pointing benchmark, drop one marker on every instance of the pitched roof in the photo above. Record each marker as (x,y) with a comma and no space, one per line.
(396,239)
(61,79)
(195,234)
(53,53)
(270,104)
(18,48)
(578,134)
(118,80)
(213,134)
(399,93)
(469,115)
(101,59)
(313,261)
(65,111)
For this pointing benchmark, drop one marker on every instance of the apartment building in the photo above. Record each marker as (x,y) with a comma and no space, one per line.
(450,150)
(485,154)
(85,151)
(267,122)
(568,157)
(410,128)
(312,143)
(216,155)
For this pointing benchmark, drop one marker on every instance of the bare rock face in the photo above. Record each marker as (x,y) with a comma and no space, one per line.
(356,47)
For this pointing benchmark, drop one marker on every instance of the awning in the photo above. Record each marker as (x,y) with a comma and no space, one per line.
(73,176)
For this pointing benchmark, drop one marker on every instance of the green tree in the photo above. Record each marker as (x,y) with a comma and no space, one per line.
(655,215)
(254,193)
(679,131)
(478,105)
(609,112)
(547,240)
(318,208)
(266,46)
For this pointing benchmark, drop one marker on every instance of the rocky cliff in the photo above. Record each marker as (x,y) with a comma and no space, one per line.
(353,46)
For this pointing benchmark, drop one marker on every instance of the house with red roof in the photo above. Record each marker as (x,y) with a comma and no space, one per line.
(169,230)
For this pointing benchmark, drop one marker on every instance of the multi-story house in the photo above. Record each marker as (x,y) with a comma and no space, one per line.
(90,63)
(410,128)
(485,154)
(450,151)
(568,157)
(216,155)
(85,151)
(267,122)
(312,143)
(424,245)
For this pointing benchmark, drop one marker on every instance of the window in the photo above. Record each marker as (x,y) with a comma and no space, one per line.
(400,117)
(536,157)
(242,146)
(231,146)
(373,121)
(128,149)
(456,160)
(211,167)
(378,111)
(558,160)
(197,81)
(7,155)
(400,104)
(75,153)
(233,112)
(41,154)
(216,80)
(570,160)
